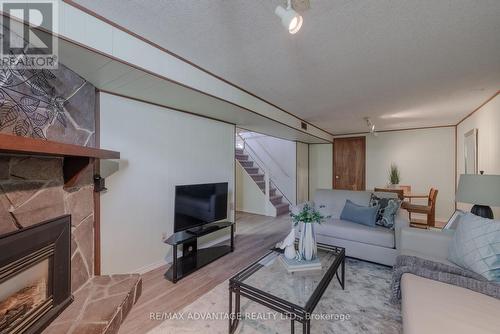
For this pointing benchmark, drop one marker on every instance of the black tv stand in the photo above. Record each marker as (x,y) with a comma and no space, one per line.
(203,230)
(193,258)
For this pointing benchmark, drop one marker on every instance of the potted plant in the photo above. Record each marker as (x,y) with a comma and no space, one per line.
(307,217)
(394,175)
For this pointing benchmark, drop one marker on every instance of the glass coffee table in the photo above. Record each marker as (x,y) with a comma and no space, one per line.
(294,295)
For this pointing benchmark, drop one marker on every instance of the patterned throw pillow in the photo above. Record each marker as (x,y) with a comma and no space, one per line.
(476,246)
(388,208)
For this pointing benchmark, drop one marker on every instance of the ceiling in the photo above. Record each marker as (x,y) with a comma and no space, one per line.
(403,63)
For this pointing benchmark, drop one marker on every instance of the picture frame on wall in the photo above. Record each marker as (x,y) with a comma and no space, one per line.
(470,151)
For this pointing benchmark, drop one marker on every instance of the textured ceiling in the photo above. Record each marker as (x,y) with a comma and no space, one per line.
(404,63)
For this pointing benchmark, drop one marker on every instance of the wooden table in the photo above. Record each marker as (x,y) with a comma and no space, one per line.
(406,192)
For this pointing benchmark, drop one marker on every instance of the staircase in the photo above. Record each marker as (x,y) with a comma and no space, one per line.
(259,178)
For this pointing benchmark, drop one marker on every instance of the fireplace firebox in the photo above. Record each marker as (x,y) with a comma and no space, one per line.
(35,275)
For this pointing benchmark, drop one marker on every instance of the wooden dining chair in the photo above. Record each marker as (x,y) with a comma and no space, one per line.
(399,192)
(429,210)
(406,189)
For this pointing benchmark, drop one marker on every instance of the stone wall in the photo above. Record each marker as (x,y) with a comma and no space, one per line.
(57,105)
(31,191)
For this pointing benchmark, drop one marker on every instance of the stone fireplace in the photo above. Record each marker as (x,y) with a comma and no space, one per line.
(32,191)
(56,106)
(35,277)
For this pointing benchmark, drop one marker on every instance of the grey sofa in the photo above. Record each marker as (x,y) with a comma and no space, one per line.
(446,308)
(375,244)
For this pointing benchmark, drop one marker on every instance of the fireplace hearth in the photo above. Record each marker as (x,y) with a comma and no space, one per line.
(35,275)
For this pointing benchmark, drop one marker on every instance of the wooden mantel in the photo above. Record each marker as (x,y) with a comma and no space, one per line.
(30,146)
(75,157)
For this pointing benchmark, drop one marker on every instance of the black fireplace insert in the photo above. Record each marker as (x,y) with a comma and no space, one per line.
(35,275)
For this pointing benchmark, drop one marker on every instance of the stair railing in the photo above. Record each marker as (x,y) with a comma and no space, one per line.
(264,149)
(268,179)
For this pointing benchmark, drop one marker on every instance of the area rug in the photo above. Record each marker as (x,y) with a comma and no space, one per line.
(363,307)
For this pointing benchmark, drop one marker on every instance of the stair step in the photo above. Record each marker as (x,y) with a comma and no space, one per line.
(246,164)
(257,177)
(242,157)
(239,151)
(282,208)
(272,191)
(276,199)
(252,170)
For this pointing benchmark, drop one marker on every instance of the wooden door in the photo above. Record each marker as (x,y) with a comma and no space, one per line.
(349,163)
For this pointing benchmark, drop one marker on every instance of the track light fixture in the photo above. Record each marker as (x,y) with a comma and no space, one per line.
(370,125)
(289,18)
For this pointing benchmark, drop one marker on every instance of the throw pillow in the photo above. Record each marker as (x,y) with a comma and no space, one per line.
(366,215)
(476,246)
(388,208)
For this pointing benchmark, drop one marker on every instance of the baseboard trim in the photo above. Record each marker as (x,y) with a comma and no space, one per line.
(151,267)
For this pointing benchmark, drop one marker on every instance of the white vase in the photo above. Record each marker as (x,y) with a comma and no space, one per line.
(307,242)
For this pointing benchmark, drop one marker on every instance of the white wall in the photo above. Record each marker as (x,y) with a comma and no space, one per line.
(425,157)
(302,172)
(160,148)
(320,167)
(249,197)
(487,121)
(279,156)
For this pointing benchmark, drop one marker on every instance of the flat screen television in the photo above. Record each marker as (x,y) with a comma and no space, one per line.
(199,204)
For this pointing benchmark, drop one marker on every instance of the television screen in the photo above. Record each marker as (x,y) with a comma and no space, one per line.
(199,204)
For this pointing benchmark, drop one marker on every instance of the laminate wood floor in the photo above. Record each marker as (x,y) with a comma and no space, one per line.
(254,236)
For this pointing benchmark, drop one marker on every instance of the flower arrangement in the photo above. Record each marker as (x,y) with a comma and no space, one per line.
(308,215)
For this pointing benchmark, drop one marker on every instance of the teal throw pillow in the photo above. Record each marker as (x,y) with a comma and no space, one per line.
(476,246)
(356,213)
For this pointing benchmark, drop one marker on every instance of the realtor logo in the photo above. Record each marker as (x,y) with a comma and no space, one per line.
(26,39)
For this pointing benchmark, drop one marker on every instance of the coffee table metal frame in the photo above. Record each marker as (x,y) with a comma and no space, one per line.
(292,311)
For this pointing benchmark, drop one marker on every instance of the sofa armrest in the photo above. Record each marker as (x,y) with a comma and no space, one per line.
(428,242)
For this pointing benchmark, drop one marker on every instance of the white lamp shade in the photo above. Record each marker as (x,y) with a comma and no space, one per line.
(479,189)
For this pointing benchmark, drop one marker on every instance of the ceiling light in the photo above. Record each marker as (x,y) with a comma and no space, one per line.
(289,18)
(370,125)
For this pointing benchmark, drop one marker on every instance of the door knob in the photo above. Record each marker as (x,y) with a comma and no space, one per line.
(337,177)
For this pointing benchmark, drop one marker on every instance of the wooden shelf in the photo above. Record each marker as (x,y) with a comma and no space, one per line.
(75,157)
(30,146)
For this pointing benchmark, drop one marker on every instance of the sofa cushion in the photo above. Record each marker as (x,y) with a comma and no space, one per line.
(331,201)
(347,230)
(476,246)
(366,215)
(433,307)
